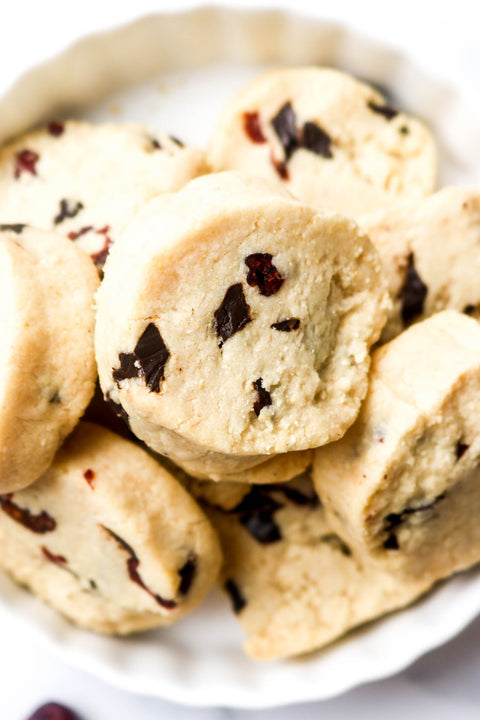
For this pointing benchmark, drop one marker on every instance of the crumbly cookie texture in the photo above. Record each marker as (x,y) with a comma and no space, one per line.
(293,583)
(431,256)
(328,138)
(244,323)
(48,364)
(402,485)
(108,537)
(88,181)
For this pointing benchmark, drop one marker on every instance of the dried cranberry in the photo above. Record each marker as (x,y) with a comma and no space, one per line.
(54,711)
(132,567)
(89,476)
(264,399)
(263,274)
(238,601)
(413,293)
(233,313)
(281,168)
(388,112)
(41,523)
(253,128)
(286,325)
(56,128)
(26,161)
(75,234)
(68,209)
(56,559)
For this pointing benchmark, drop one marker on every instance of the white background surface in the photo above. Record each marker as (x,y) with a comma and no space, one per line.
(445,683)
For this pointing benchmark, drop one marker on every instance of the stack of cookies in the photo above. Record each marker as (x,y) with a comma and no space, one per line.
(290,379)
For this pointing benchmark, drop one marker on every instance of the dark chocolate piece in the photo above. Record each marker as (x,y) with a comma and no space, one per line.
(187,575)
(460,449)
(263,274)
(238,601)
(391,543)
(253,128)
(68,209)
(26,161)
(394,520)
(281,168)
(127,368)
(56,559)
(469,309)
(264,399)
(285,125)
(56,128)
(132,567)
(41,523)
(14,227)
(233,313)
(255,512)
(388,112)
(413,293)
(286,325)
(148,360)
(315,139)
(54,711)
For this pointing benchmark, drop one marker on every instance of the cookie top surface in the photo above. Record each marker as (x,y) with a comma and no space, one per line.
(330,139)
(87,181)
(244,321)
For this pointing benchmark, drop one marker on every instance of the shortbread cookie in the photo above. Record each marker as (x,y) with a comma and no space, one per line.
(431,255)
(48,364)
(108,537)
(331,140)
(294,584)
(87,181)
(243,326)
(403,485)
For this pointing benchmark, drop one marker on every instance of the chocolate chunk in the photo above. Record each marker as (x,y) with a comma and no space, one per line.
(14,227)
(469,309)
(118,409)
(238,601)
(393,520)
(54,711)
(264,399)
(40,523)
(316,140)
(263,274)
(253,128)
(336,542)
(68,209)
(155,143)
(391,543)
(286,325)
(89,476)
(56,128)
(233,313)
(187,575)
(285,125)
(177,141)
(255,512)
(127,368)
(26,161)
(388,112)
(152,355)
(55,398)
(132,567)
(93,584)
(460,449)
(56,559)
(413,293)
(148,360)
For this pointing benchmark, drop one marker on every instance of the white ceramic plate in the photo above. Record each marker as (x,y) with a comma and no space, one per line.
(179,69)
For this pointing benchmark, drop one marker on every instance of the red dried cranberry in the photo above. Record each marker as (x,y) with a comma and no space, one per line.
(54,711)
(26,161)
(55,128)
(263,274)
(89,476)
(253,128)
(41,523)
(56,559)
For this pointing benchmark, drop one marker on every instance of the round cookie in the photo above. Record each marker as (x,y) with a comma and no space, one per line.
(331,140)
(402,486)
(431,256)
(244,323)
(108,537)
(87,181)
(293,583)
(46,328)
